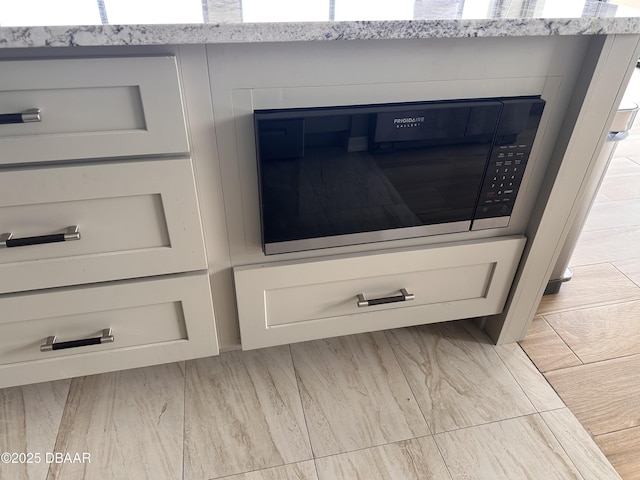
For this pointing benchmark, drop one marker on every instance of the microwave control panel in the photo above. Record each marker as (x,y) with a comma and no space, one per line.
(506,166)
(502,181)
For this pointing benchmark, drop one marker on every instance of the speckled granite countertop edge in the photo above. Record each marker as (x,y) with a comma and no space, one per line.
(113,35)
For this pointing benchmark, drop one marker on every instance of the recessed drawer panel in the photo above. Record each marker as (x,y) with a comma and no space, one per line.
(133,219)
(288,302)
(150,322)
(90,108)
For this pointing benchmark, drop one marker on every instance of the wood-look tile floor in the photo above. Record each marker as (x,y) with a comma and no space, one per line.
(429,402)
(586,338)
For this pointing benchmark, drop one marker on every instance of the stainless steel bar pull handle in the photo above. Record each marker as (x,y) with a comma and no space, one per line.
(28,116)
(71,233)
(403,297)
(51,344)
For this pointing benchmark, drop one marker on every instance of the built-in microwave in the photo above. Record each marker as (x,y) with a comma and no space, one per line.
(335,176)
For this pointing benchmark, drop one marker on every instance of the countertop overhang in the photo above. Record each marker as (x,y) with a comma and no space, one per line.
(231,21)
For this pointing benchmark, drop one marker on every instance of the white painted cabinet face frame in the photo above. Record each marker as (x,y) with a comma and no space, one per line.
(286,302)
(92,108)
(136,219)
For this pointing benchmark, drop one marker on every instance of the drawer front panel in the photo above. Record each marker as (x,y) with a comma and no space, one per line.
(335,299)
(91,108)
(152,321)
(135,219)
(297,301)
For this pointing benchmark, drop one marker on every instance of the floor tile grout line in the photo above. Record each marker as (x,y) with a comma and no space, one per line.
(184,422)
(231,475)
(592,435)
(515,379)
(413,393)
(621,357)
(563,340)
(562,445)
(348,452)
(627,276)
(304,411)
(496,421)
(531,359)
(543,316)
(620,430)
(615,359)
(389,343)
(432,436)
(315,466)
(55,442)
(535,410)
(441,452)
(62,418)
(406,379)
(547,380)
(611,204)
(315,457)
(588,307)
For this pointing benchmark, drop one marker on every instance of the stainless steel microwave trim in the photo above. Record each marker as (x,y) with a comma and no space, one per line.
(366,237)
(487,223)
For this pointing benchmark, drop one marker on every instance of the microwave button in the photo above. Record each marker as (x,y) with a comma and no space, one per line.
(495,210)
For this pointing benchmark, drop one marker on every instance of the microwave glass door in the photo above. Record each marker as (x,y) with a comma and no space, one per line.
(338,176)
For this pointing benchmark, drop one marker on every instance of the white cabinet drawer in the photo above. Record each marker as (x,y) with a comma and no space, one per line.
(289,302)
(91,108)
(152,321)
(135,219)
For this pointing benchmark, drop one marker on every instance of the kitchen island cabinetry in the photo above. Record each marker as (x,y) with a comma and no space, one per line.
(143,164)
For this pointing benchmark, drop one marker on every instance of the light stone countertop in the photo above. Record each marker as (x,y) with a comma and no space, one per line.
(62,23)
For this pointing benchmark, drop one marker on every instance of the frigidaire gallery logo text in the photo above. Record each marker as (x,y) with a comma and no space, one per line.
(408,122)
